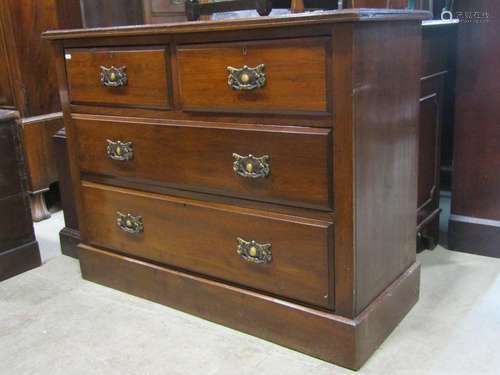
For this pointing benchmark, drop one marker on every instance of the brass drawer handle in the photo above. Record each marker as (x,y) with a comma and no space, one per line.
(251,166)
(118,150)
(114,77)
(246,78)
(254,252)
(129,223)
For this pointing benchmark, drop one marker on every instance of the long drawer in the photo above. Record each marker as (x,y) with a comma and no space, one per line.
(266,163)
(280,254)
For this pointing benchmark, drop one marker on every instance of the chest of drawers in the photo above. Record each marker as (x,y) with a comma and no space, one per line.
(258,173)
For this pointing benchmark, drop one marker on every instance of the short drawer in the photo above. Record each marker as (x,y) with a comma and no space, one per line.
(281,76)
(118,77)
(289,258)
(266,163)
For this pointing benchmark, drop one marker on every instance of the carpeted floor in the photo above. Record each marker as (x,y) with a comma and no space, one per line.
(53,322)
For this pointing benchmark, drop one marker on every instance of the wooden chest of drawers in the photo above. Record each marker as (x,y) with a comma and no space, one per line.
(257,173)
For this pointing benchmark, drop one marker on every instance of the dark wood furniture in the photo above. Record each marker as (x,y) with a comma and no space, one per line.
(437,62)
(277,196)
(18,247)
(475,209)
(70,235)
(29,85)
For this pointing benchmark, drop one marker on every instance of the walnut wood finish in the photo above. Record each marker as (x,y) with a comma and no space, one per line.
(70,235)
(372,86)
(145,68)
(475,206)
(18,247)
(300,247)
(37,140)
(203,161)
(29,85)
(331,337)
(293,85)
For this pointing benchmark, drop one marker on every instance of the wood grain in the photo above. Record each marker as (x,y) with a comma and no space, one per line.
(146,70)
(293,85)
(198,156)
(330,337)
(300,246)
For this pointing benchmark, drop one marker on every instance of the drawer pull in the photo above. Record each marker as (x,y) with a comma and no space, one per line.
(129,223)
(118,150)
(251,166)
(246,78)
(254,252)
(114,77)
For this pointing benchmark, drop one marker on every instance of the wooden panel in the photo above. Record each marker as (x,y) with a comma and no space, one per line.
(6,93)
(16,227)
(19,260)
(34,56)
(387,66)
(293,85)
(436,43)
(19,231)
(299,267)
(37,135)
(327,336)
(476,180)
(10,173)
(429,137)
(300,167)
(60,147)
(146,70)
(427,157)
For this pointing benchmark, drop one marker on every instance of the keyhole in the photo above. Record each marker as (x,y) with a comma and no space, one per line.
(244,51)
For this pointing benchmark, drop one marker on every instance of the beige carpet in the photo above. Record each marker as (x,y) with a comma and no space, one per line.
(53,322)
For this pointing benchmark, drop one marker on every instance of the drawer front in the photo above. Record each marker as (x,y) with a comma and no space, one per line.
(288,165)
(283,76)
(118,77)
(290,256)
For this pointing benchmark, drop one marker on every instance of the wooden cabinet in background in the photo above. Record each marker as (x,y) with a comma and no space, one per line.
(28,84)
(475,208)
(18,247)
(437,60)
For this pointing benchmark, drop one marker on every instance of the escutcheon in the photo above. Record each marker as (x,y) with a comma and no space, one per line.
(118,150)
(129,223)
(246,78)
(113,76)
(254,252)
(251,166)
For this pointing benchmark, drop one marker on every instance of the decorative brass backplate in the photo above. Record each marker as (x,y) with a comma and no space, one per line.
(254,252)
(246,78)
(114,77)
(129,223)
(118,150)
(251,166)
